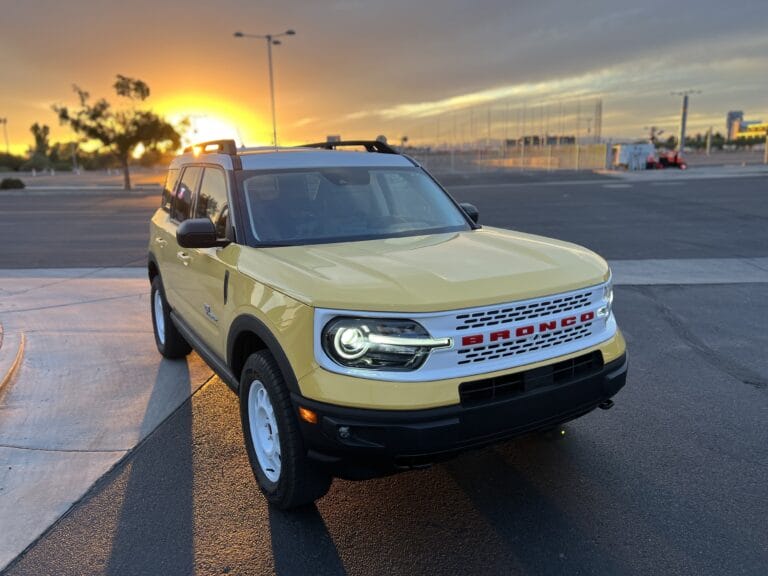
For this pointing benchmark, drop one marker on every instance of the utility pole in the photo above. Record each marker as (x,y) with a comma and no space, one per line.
(488,136)
(683,116)
(709,141)
(765,159)
(4,122)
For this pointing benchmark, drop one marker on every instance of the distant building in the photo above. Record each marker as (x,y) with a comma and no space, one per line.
(733,123)
(740,129)
(536,140)
(755,129)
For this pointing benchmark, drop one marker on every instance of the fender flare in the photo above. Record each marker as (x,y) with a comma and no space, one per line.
(248,323)
(151,259)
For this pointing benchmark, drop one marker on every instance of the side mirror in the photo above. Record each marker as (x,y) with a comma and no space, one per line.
(198,233)
(471,211)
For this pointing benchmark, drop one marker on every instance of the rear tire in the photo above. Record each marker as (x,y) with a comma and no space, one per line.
(170,343)
(286,477)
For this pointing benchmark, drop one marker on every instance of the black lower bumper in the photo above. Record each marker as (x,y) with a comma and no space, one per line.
(364,442)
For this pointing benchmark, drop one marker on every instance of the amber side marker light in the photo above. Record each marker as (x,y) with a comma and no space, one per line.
(307,415)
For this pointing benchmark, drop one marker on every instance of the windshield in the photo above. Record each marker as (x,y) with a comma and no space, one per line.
(342,204)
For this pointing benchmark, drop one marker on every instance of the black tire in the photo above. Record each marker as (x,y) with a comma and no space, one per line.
(172,344)
(300,481)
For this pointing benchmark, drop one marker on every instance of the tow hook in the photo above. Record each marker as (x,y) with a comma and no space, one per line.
(606,405)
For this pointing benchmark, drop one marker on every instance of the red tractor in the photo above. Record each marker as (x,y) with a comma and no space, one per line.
(671,159)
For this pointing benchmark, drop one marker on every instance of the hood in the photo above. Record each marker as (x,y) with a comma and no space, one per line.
(426,273)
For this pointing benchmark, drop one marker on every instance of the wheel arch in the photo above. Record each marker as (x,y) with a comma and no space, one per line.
(247,335)
(153,269)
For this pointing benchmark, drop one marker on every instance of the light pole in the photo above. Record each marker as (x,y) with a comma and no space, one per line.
(270,39)
(4,122)
(683,117)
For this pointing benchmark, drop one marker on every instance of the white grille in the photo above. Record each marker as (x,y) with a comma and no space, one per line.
(523,345)
(519,312)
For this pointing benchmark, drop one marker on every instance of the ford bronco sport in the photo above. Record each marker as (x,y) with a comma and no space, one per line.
(367,322)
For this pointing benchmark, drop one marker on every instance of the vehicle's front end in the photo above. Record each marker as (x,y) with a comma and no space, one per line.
(393,390)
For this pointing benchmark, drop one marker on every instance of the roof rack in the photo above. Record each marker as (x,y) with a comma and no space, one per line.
(214,147)
(369,145)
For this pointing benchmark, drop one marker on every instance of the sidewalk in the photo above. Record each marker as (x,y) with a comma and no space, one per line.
(87,386)
(693,173)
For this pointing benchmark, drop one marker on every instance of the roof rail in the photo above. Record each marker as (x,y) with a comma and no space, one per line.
(214,146)
(369,145)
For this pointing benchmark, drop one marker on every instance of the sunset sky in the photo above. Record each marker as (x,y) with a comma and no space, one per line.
(432,69)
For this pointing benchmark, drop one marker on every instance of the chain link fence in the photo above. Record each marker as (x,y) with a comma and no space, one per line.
(548,158)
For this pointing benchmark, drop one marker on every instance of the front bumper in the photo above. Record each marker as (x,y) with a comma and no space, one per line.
(354,439)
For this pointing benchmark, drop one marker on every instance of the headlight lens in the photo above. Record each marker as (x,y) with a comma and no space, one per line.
(379,343)
(605,310)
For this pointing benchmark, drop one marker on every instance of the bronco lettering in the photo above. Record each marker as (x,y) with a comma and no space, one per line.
(522,331)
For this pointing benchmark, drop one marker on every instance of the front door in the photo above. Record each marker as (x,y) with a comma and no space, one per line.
(208,270)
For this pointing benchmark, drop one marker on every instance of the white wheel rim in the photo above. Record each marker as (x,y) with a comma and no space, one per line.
(264,434)
(159,318)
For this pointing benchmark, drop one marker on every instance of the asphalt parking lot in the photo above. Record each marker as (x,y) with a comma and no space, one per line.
(669,481)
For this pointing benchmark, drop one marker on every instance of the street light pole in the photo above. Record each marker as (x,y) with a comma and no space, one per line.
(272,90)
(4,122)
(270,39)
(683,117)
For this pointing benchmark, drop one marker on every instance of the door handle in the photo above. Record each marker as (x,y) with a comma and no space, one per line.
(184,257)
(160,242)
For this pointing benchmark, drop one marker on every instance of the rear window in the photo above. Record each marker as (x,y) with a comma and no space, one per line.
(170,184)
(181,207)
(212,200)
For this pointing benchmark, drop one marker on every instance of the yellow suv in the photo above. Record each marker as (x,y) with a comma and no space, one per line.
(367,322)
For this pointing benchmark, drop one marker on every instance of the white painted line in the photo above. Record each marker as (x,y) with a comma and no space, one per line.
(126,273)
(690,271)
(94,187)
(617,185)
(527,184)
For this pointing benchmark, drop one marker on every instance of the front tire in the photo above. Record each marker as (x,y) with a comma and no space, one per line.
(273,440)
(170,343)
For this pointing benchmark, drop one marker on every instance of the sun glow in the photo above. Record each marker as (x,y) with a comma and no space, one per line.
(201,118)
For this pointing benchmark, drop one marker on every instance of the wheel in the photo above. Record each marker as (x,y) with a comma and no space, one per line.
(170,343)
(273,440)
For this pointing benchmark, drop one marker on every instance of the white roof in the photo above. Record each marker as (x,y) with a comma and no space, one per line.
(268,158)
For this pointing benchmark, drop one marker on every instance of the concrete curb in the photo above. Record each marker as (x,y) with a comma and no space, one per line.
(11,355)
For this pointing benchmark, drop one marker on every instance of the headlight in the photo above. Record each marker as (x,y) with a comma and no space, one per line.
(379,343)
(606,302)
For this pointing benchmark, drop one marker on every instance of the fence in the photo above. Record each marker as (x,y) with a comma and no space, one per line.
(547,157)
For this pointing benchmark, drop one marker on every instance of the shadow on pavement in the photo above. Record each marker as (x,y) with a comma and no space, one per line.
(301,543)
(167,545)
(530,519)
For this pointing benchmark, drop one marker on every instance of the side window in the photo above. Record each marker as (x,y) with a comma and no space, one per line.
(181,207)
(212,200)
(170,184)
